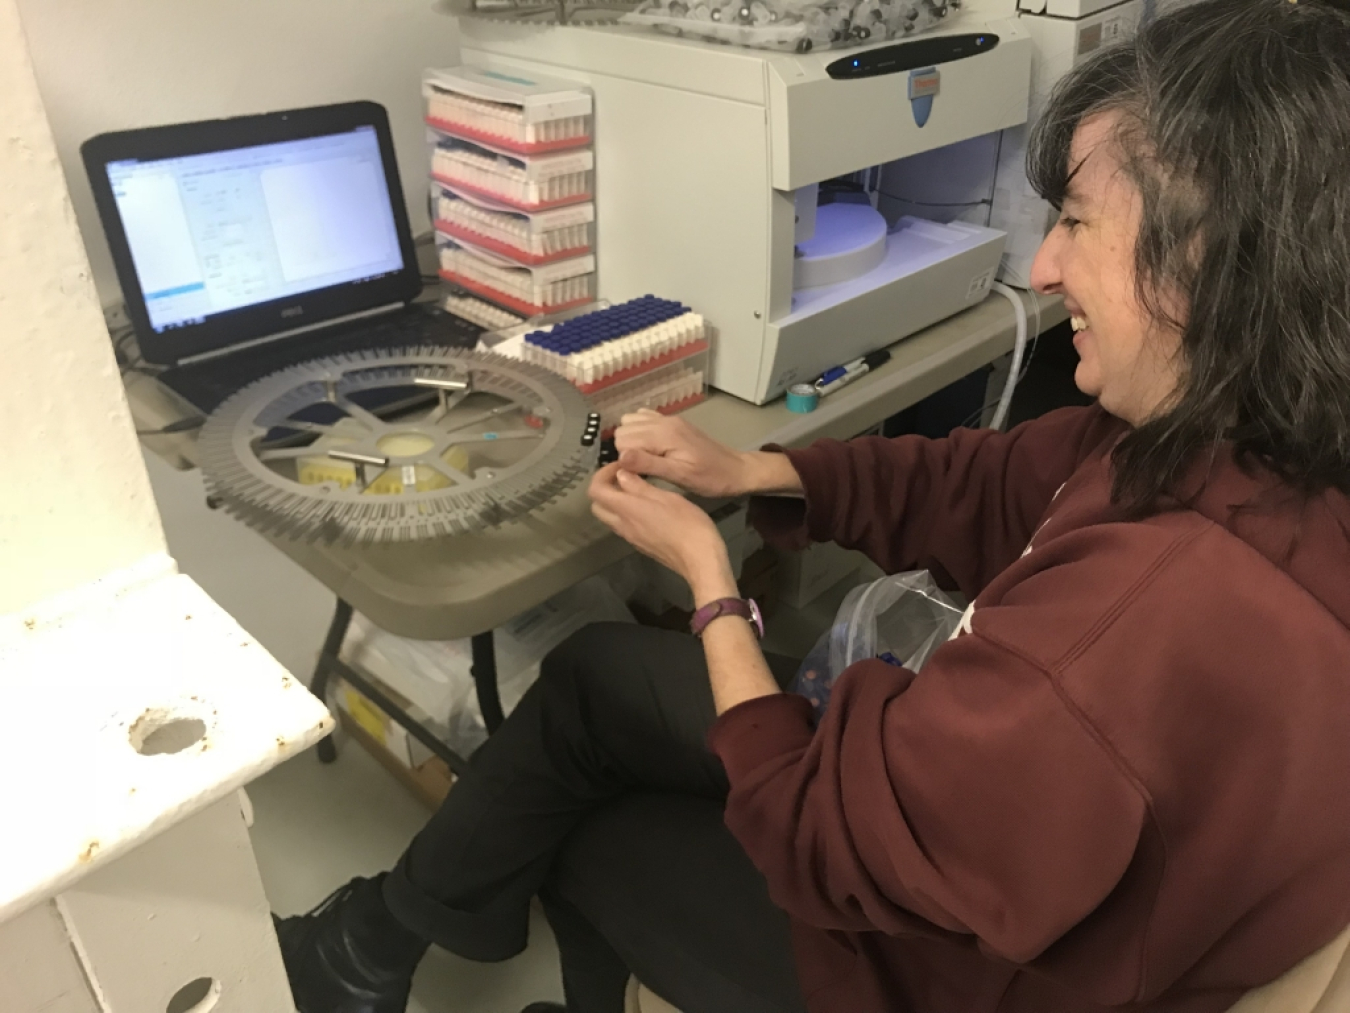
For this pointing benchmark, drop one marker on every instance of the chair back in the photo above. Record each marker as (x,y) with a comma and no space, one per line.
(1318,984)
(640,999)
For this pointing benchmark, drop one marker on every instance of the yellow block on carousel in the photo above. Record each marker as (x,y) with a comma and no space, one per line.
(317,470)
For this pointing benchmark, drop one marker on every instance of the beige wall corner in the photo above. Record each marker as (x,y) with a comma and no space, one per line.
(75,502)
(119,64)
(128,884)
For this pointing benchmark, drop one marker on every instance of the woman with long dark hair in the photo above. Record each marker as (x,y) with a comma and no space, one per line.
(1125,783)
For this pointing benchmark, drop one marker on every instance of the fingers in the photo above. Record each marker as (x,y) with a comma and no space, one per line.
(614,488)
(604,483)
(639,416)
(607,499)
(619,504)
(651,430)
(642,421)
(644,462)
(639,488)
(644,436)
(622,495)
(632,483)
(606,476)
(650,443)
(605,516)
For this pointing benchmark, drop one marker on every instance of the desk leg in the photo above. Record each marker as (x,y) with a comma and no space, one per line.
(485,679)
(318,685)
(397,714)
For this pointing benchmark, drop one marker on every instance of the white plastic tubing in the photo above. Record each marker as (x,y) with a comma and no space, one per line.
(1019,353)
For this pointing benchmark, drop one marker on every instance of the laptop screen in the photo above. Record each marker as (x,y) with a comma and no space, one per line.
(214,232)
(244,240)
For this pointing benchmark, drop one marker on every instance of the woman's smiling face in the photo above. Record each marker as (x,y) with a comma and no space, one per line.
(1129,362)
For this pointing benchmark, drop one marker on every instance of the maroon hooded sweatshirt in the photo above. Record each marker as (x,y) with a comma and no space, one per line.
(1126,786)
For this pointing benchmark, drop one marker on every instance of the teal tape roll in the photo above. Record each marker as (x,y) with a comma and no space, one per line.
(802,398)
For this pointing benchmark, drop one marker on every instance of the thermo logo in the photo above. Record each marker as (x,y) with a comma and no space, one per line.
(924,85)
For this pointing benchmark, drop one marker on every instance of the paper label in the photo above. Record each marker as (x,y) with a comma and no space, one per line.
(1089,39)
(924,84)
(548,166)
(366,714)
(1103,33)
(560,218)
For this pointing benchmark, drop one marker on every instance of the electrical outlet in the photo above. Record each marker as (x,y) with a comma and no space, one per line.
(115,316)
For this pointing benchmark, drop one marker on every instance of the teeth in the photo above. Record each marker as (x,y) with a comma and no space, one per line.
(1078,323)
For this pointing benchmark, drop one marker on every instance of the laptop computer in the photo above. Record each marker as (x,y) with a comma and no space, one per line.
(250,244)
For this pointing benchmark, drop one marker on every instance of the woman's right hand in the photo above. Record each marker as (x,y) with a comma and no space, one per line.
(668,447)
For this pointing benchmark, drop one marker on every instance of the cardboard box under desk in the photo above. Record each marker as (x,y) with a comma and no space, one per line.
(427,777)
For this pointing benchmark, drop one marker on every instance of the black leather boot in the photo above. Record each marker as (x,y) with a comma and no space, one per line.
(350,955)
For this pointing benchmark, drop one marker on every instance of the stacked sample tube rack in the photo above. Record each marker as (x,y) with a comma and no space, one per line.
(512,186)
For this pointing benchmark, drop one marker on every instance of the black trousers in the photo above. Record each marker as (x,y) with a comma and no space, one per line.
(600,795)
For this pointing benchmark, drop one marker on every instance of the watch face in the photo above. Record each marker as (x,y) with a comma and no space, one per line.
(756,617)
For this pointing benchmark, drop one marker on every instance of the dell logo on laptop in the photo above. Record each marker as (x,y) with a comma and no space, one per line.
(294,311)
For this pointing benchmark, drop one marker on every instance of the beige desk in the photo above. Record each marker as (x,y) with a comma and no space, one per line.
(466,585)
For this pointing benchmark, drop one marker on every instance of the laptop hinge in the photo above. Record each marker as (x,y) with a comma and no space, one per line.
(221,353)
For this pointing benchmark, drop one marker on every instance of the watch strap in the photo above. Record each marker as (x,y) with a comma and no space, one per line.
(746,608)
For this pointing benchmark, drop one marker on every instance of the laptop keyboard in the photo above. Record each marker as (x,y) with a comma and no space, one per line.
(205,385)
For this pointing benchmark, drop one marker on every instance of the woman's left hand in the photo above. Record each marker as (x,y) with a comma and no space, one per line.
(661,524)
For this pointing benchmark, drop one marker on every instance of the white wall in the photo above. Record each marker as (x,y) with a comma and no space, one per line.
(114,64)
(283,607)
(74,502)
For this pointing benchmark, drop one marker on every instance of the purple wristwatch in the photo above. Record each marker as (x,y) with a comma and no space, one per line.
(743,607)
